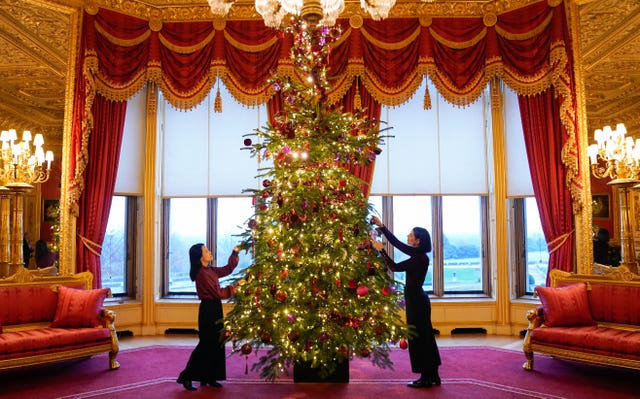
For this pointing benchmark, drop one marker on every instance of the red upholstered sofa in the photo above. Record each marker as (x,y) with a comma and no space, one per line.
(590,318)
(45,319)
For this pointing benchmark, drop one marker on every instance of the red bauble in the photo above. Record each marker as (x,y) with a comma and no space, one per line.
(247,142)
(281,296)
(403,344)
(245,349)
(266,183)
(385,291)
(365,352)
(293,335)
(362,291)
(284,273)
(352,284)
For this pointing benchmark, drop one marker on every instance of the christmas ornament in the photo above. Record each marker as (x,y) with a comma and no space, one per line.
(245,349)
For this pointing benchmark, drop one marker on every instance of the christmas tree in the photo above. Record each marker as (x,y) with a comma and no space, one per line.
(316,291)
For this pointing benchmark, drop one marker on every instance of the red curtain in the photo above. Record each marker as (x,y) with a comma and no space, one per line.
(528,48)
(540,118)
(94,203)
(359,99)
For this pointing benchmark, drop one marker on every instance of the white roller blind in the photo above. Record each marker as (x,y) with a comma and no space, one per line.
(463,152)
(130,178)
(518,175)
(437,151)
(202,150)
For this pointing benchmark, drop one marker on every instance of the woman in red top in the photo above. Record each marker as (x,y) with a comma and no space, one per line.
(207,361)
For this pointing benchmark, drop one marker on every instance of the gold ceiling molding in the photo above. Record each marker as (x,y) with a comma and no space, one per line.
(191,10)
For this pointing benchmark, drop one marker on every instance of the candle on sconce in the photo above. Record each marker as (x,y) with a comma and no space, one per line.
(49,158)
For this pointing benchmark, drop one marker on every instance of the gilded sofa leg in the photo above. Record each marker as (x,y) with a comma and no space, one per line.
(113,363)
(535,319)
(528,365)
(110,317)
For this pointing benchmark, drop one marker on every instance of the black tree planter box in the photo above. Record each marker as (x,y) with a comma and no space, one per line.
(303,372)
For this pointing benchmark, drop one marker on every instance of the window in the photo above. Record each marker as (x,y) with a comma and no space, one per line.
(537,254)
(458,228)
(463,244)
(410,212)
(425,184)
(118,248)
(187,223)
(232,214)
(205,172)
(529,246)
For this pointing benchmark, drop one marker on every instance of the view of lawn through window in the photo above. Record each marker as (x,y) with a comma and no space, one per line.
(536,250)
(113,259)
(461,241)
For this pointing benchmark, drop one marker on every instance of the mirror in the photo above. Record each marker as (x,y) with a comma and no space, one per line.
(33,79)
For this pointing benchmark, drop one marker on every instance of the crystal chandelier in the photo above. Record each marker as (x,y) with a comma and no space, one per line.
(615,154)
(22,163)
(322,12)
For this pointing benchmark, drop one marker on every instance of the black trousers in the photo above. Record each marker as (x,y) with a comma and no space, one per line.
(423,349)
(207,361)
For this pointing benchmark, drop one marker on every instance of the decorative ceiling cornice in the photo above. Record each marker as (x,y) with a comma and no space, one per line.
(191,10)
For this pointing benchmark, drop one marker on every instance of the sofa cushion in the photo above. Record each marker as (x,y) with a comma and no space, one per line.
(33,304)
(565,306)
(30,342)
(79,308)
(593,339)
(615,303)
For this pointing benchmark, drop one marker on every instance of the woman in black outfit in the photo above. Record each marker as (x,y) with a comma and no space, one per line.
(207,361)
(423,350)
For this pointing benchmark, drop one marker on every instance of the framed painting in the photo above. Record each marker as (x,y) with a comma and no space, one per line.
(50,210)
(600,206)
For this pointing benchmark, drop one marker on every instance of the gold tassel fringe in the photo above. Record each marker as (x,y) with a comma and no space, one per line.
(217,104)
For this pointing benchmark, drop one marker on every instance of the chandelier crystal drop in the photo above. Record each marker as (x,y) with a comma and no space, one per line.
(322,12)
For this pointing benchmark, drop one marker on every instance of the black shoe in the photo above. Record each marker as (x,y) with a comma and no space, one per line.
(214,384)
(187,384)
(421,383)
(436,378)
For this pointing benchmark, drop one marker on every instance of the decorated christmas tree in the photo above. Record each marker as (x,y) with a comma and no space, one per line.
(316,292)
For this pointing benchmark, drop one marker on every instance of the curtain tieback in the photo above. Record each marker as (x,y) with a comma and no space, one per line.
(557,242)
(92,246)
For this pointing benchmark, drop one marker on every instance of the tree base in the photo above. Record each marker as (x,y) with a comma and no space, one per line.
(303,372)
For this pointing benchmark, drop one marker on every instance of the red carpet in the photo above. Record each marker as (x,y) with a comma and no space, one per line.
(467,372)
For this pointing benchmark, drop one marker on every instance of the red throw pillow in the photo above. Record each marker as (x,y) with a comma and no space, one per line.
(79,308)
(566,306)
